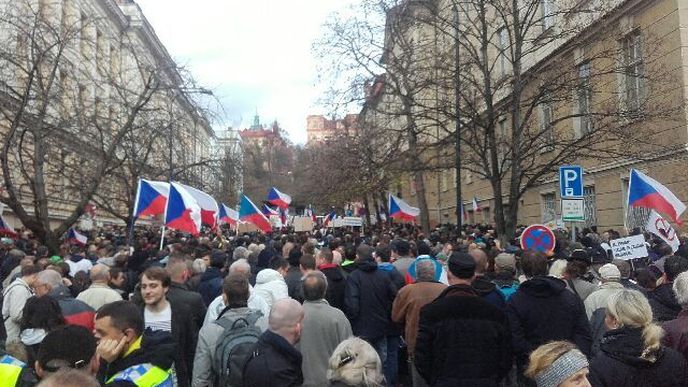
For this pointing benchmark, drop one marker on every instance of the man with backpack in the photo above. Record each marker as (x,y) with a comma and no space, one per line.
(225,344)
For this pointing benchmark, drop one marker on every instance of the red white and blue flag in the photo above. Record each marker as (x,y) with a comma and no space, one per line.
(646,192)
(310,213)
(75,237)
(228,215)
(283,212)
(476,207)
(329,218)
(209,207)
(269,211)
(399,209)
(5,228)
(279,199)
(182,212)
(248,212)
(151,198)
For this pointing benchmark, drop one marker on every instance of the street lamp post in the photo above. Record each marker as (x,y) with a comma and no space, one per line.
(457,92)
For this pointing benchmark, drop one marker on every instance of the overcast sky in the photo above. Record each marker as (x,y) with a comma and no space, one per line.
(254,54)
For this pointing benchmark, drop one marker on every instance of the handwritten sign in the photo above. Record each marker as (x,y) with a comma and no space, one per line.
(629,248)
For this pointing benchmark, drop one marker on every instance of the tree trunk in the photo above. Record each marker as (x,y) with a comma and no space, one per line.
(366,205)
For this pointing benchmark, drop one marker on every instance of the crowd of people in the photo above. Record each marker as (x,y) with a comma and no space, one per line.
(337,307)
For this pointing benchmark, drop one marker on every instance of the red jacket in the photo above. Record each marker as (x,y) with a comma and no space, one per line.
(75,312)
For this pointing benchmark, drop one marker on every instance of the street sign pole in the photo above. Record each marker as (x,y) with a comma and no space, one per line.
(571,193)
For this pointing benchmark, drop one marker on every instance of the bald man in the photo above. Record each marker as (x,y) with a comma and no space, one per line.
(482,284)
(275,361)
(100,292)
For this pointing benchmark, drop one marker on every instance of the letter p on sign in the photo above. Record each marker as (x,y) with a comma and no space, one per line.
(571,181)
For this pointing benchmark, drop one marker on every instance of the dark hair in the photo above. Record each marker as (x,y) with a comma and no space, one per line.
(349,252)
(41,313)
(314,286)
(295,255)
(646,279)
(401,247)
(123,315)
(157,273)
(383,252)
(364,252)
(307,261)
(235,286)
(278,262)
(534,263)
(69,346)
(30,270)
(326,254)
(423,248)
(675,265)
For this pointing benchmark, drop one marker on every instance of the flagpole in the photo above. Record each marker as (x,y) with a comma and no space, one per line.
(162,237)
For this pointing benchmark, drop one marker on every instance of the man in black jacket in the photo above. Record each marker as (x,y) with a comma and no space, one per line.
(336,279)
(544,310)
(662,298)
(275,361)
(462,340)
(179,292)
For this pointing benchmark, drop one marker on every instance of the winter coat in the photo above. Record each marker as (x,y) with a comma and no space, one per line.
(75,312)
(463,340)
(254,302)
(98,295)
(156,347)
(543,310)
(506,284)
(663,303)
(274,362)
(211,285)
(14,298)
(676,333)
(203,374)
(336,283)
(407,305)
(489,292)
(619,363)
(581,287)
(368,300)
(394,275)
(270,286)
(323,328)
(180,294)
(599,298)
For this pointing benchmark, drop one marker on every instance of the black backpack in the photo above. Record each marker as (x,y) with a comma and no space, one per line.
(234,348)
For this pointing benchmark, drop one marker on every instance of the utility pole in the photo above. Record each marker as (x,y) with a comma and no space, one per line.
(457,92)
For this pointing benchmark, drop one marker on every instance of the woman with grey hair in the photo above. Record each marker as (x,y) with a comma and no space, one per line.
(631,353)
(355,363)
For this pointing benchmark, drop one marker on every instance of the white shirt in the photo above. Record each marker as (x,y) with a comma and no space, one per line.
(159,321)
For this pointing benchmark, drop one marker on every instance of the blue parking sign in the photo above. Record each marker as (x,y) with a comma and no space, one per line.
(571,181)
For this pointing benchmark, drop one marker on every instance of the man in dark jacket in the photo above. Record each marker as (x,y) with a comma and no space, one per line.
(275,361)
(368,299)
(128,353)
(462,339)
(482,285)
(662,298)
(75,312)
(211,281)
(336,279)
(293,276)
(179,292)
(543,310)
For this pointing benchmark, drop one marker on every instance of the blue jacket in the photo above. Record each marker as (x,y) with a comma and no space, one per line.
(211,285)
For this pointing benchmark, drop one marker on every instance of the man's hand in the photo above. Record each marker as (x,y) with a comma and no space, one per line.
(109,350)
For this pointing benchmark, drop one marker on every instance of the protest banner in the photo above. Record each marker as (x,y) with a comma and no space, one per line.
(631,247)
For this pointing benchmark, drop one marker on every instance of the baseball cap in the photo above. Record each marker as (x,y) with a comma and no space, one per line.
(610,272)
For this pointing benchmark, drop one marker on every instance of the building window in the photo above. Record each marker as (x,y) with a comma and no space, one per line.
(503,47)
(549,210)
(584,99)
(546,125)
(634,71)
(590,204)
(547,14)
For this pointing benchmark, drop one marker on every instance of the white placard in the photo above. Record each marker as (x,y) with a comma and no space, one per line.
(629,248)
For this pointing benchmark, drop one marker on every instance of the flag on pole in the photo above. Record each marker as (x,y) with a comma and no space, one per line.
(151,198)
(463,214)
(283,212)
(248,212)
(279,199)
(644,191)
(75,237)
(399,209)
(5,228)
(268,211)
(209,207)
(330,217)
(182,213)
(661,227)
(228,215)
(476,207)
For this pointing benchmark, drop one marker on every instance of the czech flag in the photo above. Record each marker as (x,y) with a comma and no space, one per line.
(228,215)
(5,228)
(183,212)
(209,207)
(268,212)
(151,198)
(248,212)
(310,213)
(644,191)
(399,209)
(476,207)
(283,212)
(278,198)
(330,217)
(74,237)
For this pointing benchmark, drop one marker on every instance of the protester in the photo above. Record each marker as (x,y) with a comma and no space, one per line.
(275,361)
(355,363)
(577,267)
(67,347)
(558,364)
(677,330)
(610,277)
(324,327)
(293,275)
(99,293)
(41,315)
(407,306)
(270,284)
(462,338)
(401,255)
(211,280)
(214,339)
(127,352)
(505,273)
(631,353)
(662,298)
(481,284)
(179,293)
(75,312)
(541,295)
(13,300)
(336,280)
(77,261)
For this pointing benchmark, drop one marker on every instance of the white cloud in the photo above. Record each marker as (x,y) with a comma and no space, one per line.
(253,54)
